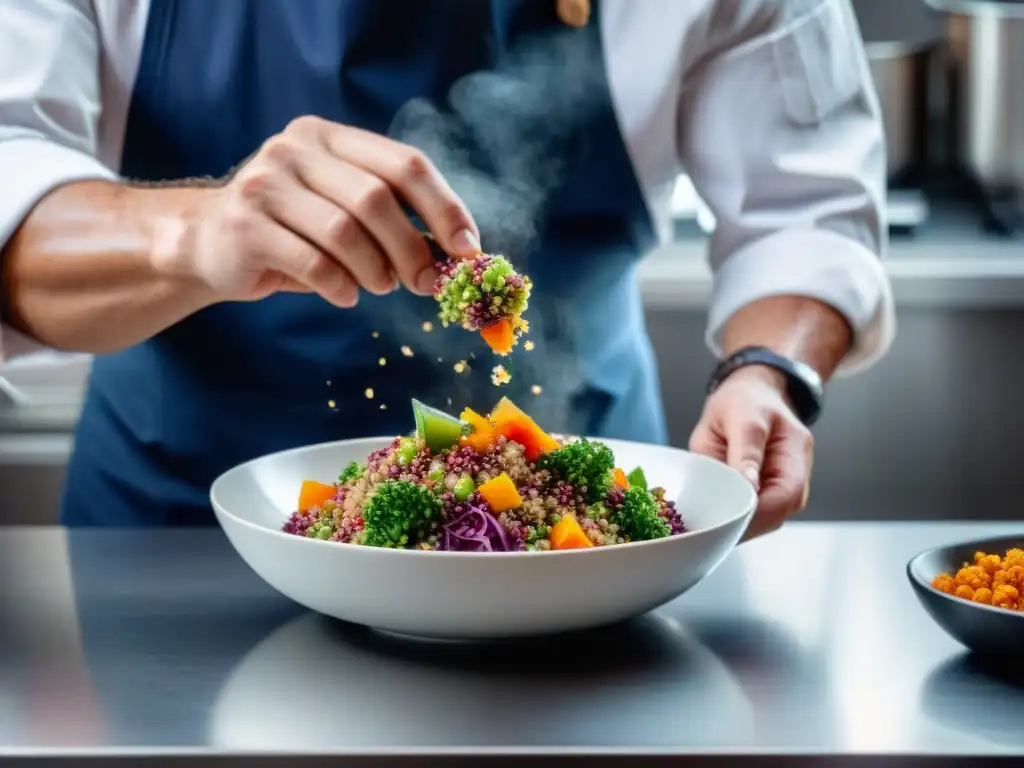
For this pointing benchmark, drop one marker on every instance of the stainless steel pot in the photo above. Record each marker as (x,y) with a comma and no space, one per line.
(902,38)
(899,71)
(986,46)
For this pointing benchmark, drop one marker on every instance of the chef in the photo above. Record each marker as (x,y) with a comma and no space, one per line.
(223,201)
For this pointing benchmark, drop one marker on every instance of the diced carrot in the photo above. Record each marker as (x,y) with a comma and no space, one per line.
(620,479)
(512,423)
(567,534)
(483,436)
(501,494)
(500,336)
(314,494)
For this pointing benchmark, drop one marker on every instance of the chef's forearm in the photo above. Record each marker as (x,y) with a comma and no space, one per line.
(82,271)
(799,328)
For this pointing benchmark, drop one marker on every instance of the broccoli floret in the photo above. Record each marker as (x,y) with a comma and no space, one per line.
(399,513)
(638,517)
(583,463)
(352,472)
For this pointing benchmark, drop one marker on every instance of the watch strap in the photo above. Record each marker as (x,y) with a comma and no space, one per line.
(804,386)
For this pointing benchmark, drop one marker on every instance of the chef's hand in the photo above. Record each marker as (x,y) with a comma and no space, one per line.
(319,209)
(748,424)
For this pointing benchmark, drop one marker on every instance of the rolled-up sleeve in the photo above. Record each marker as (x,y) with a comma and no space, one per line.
(49,110)
(780,132)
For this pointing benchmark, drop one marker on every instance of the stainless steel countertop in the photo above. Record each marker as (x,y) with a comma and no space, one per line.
(806,643)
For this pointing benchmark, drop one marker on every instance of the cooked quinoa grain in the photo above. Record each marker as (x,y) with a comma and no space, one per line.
(500,376)
(494,495)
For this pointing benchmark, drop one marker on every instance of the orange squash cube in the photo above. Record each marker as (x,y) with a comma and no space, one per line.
(500,494)
(567,534)
(500,336)
(513,424)
(314,494)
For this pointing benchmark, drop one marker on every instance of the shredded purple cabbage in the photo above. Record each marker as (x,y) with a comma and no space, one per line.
(476,530)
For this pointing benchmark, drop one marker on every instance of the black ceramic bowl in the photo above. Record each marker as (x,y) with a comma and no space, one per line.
(982,628)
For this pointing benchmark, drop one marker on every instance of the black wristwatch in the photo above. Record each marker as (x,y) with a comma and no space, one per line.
(804,386)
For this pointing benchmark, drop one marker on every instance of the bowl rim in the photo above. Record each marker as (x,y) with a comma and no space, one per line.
(913,563)
(748,510)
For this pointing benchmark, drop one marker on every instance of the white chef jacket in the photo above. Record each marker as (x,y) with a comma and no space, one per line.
(767,105)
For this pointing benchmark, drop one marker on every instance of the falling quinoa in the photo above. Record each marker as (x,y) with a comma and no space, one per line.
(369,393)
(500,376)
(406,351)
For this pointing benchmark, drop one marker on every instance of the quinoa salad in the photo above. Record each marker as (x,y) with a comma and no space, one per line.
(494,483)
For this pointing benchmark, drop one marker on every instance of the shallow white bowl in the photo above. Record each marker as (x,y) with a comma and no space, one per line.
(457,595)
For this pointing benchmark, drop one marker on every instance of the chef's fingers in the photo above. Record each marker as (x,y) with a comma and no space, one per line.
(746,435)
(291,285)
(284,251)
(372,202)
(416,180)
(787,477)
(336,232)
(705,441)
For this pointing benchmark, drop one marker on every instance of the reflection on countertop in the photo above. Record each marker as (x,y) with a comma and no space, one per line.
(150,640)
(333,672)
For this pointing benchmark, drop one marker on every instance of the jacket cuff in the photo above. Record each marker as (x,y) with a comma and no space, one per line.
(816,264)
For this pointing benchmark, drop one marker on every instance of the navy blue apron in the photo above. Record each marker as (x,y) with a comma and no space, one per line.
(161,420)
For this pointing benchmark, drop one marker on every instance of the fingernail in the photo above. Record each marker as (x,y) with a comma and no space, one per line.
(466,242)
(753,476)
(425,281)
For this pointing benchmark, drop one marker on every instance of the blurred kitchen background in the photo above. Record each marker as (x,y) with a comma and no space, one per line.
(934,431)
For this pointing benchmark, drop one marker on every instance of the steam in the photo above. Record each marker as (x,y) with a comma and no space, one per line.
(504,137)
(506,141)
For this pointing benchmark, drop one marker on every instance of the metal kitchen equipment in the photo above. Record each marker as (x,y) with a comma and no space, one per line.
(900,73)
(896,69)
(986,46)
(903,39)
